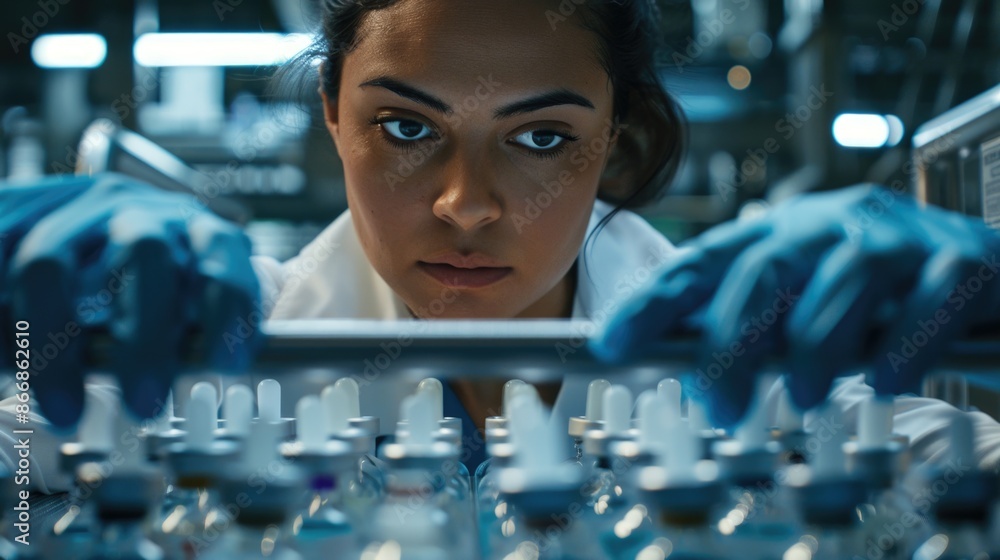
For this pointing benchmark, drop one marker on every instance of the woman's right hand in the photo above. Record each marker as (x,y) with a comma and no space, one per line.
(79,254)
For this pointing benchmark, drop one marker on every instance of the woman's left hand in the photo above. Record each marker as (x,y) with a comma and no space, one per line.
(813,281)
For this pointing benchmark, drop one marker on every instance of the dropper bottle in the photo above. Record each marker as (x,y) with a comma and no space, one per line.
(123,493)
(604,492)
(191,520)
(828,496)
(362,488)
(962,500)
(450,430)
(164,432)
(543,491)
(789,430)
(433,526)
(592,419)
(321,524)
(75,529)
(877,458)
(371,465)
(623,521)
(492,510)
(262,487)
(761,508)
(681,492)
(497,432)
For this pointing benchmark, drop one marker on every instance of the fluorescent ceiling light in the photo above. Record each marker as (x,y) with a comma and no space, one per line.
(860,130)
(218,49)
(80,50)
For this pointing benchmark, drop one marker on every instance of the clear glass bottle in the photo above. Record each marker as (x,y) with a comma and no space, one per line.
(416,519)
(320,523)
(256,540)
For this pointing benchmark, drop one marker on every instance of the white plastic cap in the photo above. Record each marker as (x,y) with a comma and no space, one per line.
(617,410)
(685,452)
(789,418)
(206,392)
(309,423)
(526,390)
(754,432)
(595,399)
(961,441)
(435,391)
(164,418)
(202,418)
(698,416)
(97,426)
(874,422)
(336,400)
(261,448)
(670,390)
(269,400)
(829,461)
(237,409)
(351,389)
(509,390)
(418,412)
(654,420)
(534,440)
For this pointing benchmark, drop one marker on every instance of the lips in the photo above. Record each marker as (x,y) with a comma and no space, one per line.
(465,271)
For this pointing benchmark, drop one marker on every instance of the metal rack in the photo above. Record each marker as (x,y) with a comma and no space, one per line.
(533,350)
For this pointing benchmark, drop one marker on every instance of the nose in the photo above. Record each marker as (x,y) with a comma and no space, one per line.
(469,198)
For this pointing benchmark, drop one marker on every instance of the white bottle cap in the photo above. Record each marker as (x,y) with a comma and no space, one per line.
(269,400)
(755,432)
(698,416)
(509,389)
(617,410)
(97,426)
(206,392)
(961,445)
(309,423)
(261,448)
(237,409)
(670,390)
(421,420)
(336,400)
(874,422)
(433,388)
(350,387)
(525,389)
(535,443)
(789,419)
(653,420)
(164,418)
(202,419)
(684,453)
(595,399)
(830,461)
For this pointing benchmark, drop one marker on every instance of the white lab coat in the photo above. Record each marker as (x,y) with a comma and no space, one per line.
(332,278)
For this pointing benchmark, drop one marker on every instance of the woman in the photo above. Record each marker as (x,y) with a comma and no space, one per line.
(454,120)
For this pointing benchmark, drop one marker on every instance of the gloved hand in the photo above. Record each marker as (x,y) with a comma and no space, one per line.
(831,280)
(80,253)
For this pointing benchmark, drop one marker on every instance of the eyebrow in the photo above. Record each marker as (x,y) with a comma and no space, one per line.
(534,103)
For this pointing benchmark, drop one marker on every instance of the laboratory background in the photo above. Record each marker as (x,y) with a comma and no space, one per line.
(782,97)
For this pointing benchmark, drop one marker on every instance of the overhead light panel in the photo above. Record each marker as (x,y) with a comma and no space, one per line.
(218,49)
(76,50)
(865,130)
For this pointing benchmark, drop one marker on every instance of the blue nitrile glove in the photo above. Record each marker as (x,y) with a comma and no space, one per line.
(812,280)
(80,253)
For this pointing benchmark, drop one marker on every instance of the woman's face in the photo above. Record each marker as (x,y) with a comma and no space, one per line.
(473,136)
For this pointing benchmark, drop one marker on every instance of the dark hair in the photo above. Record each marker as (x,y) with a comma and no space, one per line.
(652,133)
